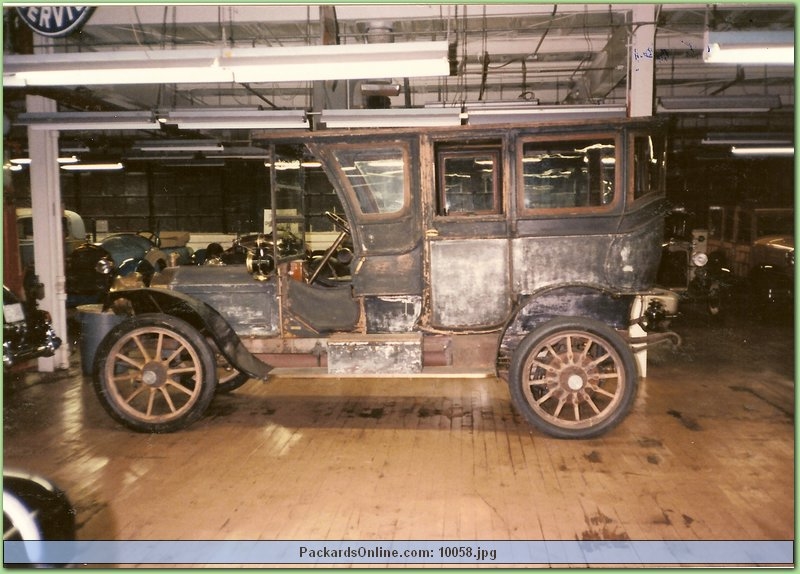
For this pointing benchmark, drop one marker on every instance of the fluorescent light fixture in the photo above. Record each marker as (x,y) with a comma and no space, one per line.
(478,114)
(749,47)
(229,65)
(718,104)
(201,162)
(88,121)
(68,160)
(211,118)
(380,89)
(762,151)
(20,160)
(10,167)
(73,147)
(92,167)
(178,145)
(754,139)
(391,118)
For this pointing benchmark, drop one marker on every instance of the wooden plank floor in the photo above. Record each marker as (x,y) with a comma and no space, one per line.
(707,454)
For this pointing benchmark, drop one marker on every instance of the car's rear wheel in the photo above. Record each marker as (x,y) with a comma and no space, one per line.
(155,373)
(573,378)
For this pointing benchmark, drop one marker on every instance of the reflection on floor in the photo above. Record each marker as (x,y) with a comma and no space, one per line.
(707,454)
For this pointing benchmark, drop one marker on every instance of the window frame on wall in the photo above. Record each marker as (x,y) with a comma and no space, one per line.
(577,141)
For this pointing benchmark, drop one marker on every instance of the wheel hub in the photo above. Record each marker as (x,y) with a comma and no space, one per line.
(154,375)
(575,382)
(573,379)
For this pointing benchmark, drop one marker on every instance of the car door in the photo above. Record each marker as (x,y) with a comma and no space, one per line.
(377,181)
(467,235)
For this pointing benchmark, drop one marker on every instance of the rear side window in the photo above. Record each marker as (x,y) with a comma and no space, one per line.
(568,174)
(648,165)
(377,177)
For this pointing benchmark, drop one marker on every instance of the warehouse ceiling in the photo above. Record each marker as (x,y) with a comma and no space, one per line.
(557,54)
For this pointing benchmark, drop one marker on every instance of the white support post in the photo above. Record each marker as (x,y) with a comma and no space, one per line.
(642,61)
(48,248)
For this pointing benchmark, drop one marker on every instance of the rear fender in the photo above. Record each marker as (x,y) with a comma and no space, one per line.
(588,301)
(198,314)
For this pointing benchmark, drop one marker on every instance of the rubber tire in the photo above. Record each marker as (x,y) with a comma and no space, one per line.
(191,339)
(577,325)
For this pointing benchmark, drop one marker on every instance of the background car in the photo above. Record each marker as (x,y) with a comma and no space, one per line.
(686,267)
(72,224)
(757,244)
(34,509)
(93,267)
(27,330)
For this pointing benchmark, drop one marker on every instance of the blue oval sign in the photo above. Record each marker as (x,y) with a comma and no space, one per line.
(55,21)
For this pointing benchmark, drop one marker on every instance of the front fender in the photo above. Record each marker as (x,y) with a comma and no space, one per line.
(197,313)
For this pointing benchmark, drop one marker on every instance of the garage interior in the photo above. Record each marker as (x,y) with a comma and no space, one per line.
(707,452)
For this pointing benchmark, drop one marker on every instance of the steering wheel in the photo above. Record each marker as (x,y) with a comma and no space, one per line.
(152,236)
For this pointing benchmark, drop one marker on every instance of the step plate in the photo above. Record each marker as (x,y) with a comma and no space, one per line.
(375,355)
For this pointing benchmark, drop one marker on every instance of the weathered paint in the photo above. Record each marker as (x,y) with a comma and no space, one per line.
(470,284)
(375,355)
(392,314)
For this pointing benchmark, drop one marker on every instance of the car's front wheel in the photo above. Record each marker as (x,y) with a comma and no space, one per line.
(573,378)
(155,373)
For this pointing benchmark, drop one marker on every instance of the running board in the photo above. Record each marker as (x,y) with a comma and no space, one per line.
(427,372)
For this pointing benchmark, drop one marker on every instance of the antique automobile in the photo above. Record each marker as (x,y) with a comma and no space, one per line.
(757,244)
(92,268)
(528,252)
(27,330)
(34,510)
(686,267)
(72,225)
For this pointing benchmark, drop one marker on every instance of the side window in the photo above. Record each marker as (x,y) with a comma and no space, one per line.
(568,174)
(648,165)
(468,180)
(377,177)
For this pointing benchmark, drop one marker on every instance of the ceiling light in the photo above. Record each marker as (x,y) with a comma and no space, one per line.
(380,89)
(88,120)
(74,148)
(92,167)
(499,114)
(20,160)
(200,162)
(67,160)
(178,145)
(211,118)
(718,104)
(226,65)
(394,118)
(754,139)
(762,151)
(749,47)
